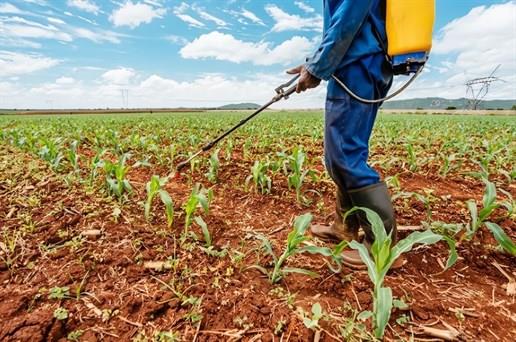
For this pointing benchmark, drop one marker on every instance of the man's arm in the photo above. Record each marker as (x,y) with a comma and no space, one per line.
(345,23)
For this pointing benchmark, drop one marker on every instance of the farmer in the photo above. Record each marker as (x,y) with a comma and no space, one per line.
(352,51)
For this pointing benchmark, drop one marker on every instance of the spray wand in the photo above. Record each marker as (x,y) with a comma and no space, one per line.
(282,92)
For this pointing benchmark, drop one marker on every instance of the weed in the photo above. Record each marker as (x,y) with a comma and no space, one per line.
(60,314)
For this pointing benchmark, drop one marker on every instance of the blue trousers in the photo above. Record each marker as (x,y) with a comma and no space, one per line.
(349,123)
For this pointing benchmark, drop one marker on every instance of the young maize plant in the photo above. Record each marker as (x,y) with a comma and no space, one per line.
(198,197)
(213,167)
(259,177)
(296,244)
(73,156)
(412,158)
(50,152)
(115,177)
(379,260)
(297,175)
(294,240)
(154,188)
(96,163)
(479,218)
(229,149)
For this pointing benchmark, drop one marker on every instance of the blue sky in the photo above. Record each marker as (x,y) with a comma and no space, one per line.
(87,53)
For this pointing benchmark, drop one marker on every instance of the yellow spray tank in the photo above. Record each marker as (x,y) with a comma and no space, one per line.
(409,26)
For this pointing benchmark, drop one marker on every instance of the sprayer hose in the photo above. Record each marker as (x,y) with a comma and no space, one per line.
(396,93)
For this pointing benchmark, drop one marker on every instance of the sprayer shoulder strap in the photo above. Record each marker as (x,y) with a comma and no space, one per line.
(377,33)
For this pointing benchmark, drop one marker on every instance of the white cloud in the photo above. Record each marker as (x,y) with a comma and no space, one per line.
(304,7)
(16,30)
(14,63)
(9,8)
(37,2)
(85,5)
(158,92)
(175,39)
(206,16)
(134,14)
(288,22)
(226,47)
(477,42)
(251,16)
(22,28)
(180,12)
(18,42)
(97,36)
(119,76)
(65,80)
(56,21)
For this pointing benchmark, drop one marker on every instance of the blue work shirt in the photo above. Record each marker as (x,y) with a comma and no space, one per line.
(350,42)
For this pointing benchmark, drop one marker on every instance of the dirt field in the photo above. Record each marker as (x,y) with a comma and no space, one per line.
(79,264)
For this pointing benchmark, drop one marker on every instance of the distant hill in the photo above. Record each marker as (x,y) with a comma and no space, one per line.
(239,106)
(441,103)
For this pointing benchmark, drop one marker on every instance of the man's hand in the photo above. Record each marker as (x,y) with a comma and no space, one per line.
(306,79)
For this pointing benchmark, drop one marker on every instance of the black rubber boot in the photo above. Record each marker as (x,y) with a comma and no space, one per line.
(343,205)
(339,230)
(377,198)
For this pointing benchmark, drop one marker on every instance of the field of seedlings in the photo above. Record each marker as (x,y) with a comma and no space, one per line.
(100,241)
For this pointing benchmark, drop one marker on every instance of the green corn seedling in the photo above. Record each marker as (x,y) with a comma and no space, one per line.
(95,163)
(488,206)
(412,158)
(154,188)
(213,167)
(229,149)
(295,240)
(508,204)
(198,197)
(479,218)
(259,177)
(380,259)
(297,175)
(115,177)
(73,156)
(50,152)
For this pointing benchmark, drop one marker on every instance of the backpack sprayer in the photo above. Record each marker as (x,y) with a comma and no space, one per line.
(409,25)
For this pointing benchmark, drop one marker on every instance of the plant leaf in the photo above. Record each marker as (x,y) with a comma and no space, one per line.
(300,271)
(205,231)
(267,246)
(169,206)
(453,256)
(427,237)
(260,268)
(376,223)
(366,258)
(301,223)
(383,309)
(324,251)
(489,194)
(473,211)
(317,311)
(503,239)
(365,315)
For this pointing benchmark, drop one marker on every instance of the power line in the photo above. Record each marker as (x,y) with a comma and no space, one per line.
(477,89)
